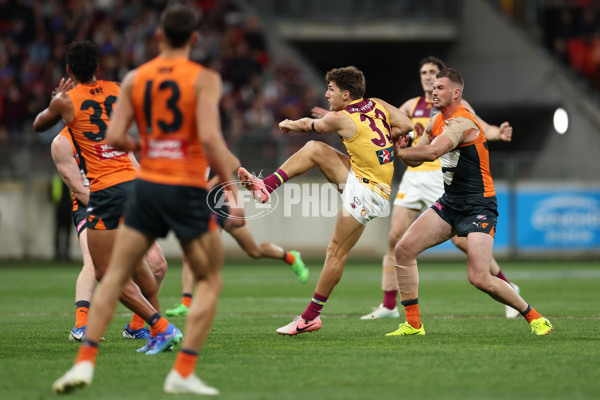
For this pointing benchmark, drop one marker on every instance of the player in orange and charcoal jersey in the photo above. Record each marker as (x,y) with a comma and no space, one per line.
(367,127)
(175,104)
(67,162)
(467,207)
(86,110)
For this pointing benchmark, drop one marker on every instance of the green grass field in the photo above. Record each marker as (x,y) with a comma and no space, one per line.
(470,351)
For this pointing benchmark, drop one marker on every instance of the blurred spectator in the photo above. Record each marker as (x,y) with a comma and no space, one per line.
(257,94)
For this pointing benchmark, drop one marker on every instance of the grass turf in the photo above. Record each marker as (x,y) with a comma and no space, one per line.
(470,351)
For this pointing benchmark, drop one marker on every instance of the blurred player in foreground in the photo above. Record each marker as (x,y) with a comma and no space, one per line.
(175,104)
(86,109)
(66,159)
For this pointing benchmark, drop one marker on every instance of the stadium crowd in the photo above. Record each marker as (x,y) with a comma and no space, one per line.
(568,29)
(571,31)
(258,92)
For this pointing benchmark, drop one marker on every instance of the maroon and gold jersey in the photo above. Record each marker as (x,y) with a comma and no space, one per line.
(370,149)
(420,116)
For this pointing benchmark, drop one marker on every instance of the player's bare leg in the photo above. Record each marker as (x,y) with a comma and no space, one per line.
(244,238)
(461,244)
(479,258)
(401,219)
(346,233)
(187,287)
(84,288)
(100,243)
(126,256)
(205,257)
(427,231)
(125,260)
(333,164)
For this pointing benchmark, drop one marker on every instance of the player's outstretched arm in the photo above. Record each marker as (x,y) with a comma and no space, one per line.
(60,107)
(332,122)
(492,132)
(62,154)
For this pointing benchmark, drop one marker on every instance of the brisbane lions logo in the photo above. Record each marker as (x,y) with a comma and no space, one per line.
(419,129)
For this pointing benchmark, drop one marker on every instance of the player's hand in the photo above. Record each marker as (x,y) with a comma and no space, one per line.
(505,132)
(318,112)
(403,142)
(63,86)
(284,126)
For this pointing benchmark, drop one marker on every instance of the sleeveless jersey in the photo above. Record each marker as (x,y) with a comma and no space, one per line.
(370,149)
(65,132)
(164,101)
(466,169)
(420,117)
(103,165)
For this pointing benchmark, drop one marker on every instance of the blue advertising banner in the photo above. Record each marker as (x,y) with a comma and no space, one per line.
(558,219)
(545,219)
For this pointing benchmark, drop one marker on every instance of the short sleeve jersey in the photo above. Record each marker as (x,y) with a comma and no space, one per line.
(420,116)
(164,102)
(370,149)
(103,165)
(466,168)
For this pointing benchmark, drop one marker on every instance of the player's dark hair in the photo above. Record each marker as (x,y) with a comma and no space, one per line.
(452,75)
(432,60)
(350,79)
(82,59)
(178,23)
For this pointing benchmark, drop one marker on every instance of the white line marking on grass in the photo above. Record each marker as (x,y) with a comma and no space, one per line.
(517,275)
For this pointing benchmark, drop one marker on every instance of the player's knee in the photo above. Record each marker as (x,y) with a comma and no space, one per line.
(312,145)
(393,239)
(403,252)
(314,148)
(254,253)
(160,270)
(480,281)
(215,280)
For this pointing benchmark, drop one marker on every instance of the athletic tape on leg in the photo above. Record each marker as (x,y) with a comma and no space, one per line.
(407,278)
(388,277)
